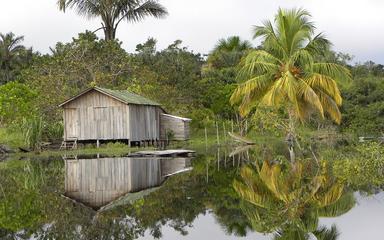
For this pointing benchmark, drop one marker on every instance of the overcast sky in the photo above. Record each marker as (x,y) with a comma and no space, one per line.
(353,26)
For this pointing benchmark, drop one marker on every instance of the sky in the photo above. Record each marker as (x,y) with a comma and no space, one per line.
(353,26)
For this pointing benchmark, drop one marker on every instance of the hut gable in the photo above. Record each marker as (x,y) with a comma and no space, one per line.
(122,96)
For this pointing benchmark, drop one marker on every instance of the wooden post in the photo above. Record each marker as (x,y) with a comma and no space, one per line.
(217,133)
(97,143)
(225,135)
(206,139)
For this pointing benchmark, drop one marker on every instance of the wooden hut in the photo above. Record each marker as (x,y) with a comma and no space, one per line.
(175,127)
(99,114)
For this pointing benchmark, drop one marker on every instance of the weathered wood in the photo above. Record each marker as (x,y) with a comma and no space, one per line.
(98,182)
(178,126)
(95,115)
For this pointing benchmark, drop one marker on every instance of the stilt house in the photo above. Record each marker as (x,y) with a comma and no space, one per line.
(99,114)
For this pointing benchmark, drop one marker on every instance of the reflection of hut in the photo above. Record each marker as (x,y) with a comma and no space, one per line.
(103,114)
(97,182)
(175,127)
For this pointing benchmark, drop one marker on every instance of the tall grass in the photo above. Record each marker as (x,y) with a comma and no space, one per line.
(33,132)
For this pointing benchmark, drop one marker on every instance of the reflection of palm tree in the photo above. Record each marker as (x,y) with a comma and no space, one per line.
(323,233)
(290,197)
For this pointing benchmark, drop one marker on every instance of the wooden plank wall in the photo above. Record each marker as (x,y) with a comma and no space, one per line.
(179,127)
(144,122)
(97,182)
(97,116)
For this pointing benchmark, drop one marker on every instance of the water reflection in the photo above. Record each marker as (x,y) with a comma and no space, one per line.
(253,194)
(289,198)
(98,182)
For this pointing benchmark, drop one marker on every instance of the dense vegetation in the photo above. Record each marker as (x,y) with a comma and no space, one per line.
(196,85)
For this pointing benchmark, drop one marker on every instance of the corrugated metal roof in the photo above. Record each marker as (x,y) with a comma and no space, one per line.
(128,97)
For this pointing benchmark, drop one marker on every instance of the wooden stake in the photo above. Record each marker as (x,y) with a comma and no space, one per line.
(217,133)
(225,135)
(206,139)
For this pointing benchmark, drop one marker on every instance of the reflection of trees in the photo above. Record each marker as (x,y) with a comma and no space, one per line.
(290,198)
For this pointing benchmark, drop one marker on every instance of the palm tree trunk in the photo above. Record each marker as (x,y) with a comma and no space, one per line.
(290,138)
(109,32)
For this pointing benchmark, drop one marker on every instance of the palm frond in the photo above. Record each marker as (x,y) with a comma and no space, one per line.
(147,8)
(329,106)
(324,233)
(345,203)
(332,70)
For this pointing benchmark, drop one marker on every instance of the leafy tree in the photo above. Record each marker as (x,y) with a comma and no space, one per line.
(174,70)
(75,66)
(219,75)
(112,13)
(17,101)
(13,55)
(285,71)
(363,107)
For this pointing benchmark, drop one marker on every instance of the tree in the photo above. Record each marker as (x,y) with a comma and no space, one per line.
(219,75)
(12,55)
(113,12)
(228,52)
(73,66)
(285,72)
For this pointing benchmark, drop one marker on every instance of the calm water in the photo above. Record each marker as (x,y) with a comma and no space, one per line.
(216,195)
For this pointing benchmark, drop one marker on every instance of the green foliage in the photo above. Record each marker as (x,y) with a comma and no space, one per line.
(17,101)
(74,66)
(363,108)
(361,167)
(54,130)
(11,137)
(21,204)
(33,132)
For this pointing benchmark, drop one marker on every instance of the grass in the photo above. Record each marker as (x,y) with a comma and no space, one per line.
(13,139)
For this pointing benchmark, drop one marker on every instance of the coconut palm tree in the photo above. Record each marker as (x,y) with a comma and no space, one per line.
(11,54)
(290,199)
(228,52)
(113,12)
(284,71)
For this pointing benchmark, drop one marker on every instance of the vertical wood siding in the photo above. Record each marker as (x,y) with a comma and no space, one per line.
(179,127)
(97,182)
(144,122)
(95,116)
